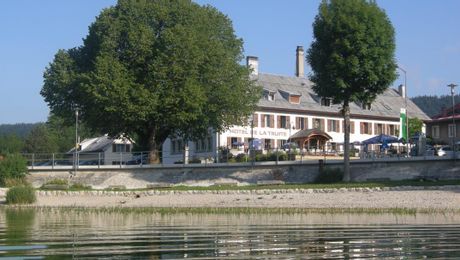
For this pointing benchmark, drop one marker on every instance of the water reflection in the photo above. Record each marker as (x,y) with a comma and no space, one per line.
(64,233)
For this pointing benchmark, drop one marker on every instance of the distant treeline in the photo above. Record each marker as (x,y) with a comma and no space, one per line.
(433,105)
(20,130)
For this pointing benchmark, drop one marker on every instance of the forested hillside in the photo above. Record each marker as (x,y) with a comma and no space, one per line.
(20,130)
(432,105)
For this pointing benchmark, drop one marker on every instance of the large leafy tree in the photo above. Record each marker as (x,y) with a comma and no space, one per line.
(154,69)
(352,56)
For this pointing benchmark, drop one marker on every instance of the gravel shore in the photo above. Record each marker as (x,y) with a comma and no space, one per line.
(437,198)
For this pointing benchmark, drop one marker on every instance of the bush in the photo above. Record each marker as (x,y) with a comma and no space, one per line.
(80,186)
(15,182)
(329,175)
(242,157)
(280,156)
(14,166)
(58,182)
(260,157)
(21,195)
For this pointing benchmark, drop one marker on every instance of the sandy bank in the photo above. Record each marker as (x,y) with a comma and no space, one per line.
(411,198)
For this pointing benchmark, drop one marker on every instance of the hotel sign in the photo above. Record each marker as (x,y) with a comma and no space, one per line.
(259,133)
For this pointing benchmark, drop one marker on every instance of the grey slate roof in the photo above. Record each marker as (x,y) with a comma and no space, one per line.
(386,105)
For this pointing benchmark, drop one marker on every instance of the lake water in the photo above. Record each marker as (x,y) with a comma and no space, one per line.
(57,234)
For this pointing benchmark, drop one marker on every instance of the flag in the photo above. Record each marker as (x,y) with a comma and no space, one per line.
(403,124)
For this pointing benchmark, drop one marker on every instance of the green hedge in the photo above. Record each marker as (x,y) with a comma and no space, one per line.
(21,195)
(14,166)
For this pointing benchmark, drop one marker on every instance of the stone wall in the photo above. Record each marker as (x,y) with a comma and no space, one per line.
(243,174)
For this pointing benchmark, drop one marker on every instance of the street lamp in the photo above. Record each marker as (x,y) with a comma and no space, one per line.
(405,107)
(454,127)
(76,140)
(251,144)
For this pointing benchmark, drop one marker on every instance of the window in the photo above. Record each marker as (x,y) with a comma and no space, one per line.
(366,106)
(270,96)
(392,130)
(366,128)
(177,146)
(435,131)
(318,123)
(301,123)
(333,125)
(234,142)
(283,122)
(268,144)
(352,127)
(326,102)
(120,148)
(378,129)
(267,121)
(294,99)
(451,130)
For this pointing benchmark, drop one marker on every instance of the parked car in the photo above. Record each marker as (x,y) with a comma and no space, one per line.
(139,159)
(445,151)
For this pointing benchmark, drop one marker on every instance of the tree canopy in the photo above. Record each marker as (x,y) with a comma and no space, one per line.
(352,55)
(154,69)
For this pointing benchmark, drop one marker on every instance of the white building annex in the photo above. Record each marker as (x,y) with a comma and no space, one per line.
(288,106)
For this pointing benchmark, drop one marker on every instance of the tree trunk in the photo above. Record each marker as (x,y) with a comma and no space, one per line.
(346,143)
(154,157)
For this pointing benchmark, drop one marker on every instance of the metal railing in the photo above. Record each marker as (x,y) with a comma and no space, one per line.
(222,157)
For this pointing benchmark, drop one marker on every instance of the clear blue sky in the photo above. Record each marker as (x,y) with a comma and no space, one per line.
(427,38)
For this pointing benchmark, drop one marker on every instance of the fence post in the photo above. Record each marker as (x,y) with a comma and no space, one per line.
(52,161)
(33,160)
(99,160)
(277,155)
(121,158)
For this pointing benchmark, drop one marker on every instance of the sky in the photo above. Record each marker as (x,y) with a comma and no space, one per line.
(427,42)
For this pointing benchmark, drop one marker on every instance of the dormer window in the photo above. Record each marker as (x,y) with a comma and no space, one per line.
(269,95)
(294,99)
(326,102)
(366,106)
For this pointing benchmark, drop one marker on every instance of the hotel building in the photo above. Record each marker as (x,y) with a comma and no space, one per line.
(289,110)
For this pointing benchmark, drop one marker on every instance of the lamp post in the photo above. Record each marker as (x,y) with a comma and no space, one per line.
(405,107)
(76,141)
(454,127)
(251,144)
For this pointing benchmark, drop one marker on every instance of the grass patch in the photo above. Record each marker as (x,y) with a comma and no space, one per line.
(21,195)
(248,210)
(58,182)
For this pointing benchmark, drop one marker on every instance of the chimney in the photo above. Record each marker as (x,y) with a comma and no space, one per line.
(253,63)
(299,68)
(402,90)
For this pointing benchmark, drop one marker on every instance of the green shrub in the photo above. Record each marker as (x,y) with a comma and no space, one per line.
(58,182)
(14,166)
(80,186)
(260,157)
(21,195)
(277,156)
(16,182)
(329,175)
(242,157)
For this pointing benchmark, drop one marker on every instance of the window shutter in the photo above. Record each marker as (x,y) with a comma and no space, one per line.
(297,122)
(262,120)
(361,128)
(305,123)
(288,122)
(272,121)
(321,125)
(114,148)
(278,123)
(255,118)
(329,125)
(352,127)
(337,125)
(229,141)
